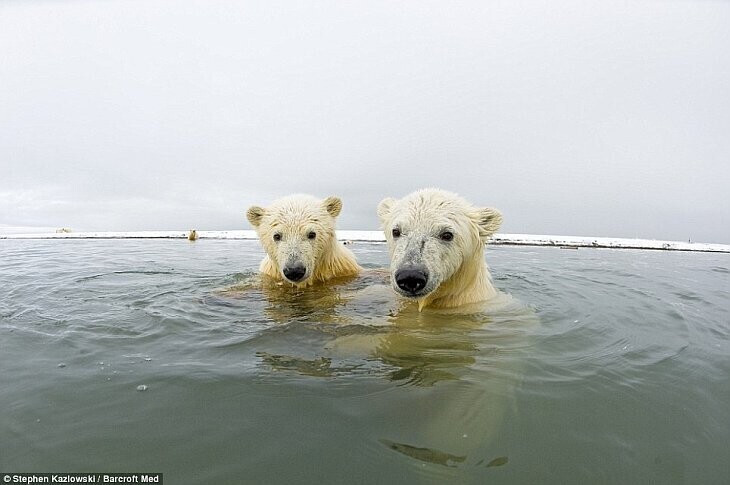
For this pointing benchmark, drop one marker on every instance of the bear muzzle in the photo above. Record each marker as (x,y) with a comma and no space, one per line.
(411,280)
(294,272)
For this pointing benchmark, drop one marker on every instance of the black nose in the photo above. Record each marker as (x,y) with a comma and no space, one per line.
(411,280)
(294,273)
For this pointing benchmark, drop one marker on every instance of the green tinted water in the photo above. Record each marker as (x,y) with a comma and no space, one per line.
(609,367)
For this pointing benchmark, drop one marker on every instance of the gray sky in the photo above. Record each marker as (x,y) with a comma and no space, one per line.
(576,118)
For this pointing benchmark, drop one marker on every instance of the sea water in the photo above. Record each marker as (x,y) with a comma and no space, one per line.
(603,366)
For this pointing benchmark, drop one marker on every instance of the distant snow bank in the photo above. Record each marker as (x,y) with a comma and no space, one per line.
(605,242)
(377,236)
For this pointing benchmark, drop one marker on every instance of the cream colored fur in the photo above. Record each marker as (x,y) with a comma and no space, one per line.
(458,274)
(293,219)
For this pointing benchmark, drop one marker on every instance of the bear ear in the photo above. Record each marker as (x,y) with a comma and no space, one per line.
(333,205)
(384,208)
(254,214)
(488,220)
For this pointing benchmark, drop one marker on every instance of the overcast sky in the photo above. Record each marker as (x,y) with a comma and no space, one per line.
(586,118)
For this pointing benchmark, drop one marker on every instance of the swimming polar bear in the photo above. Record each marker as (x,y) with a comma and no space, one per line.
(466,375)
(298,235)
(436,241)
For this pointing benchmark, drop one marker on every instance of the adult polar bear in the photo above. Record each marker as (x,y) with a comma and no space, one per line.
(436,241)
(298,235)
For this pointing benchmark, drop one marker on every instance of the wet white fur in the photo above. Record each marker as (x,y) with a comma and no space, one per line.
(294,217)
(458,274)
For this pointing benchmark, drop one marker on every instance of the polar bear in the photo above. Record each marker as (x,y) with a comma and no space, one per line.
(298,235)
(436,241)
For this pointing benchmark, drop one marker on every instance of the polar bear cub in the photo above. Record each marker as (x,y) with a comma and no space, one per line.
(436,241)
(298,235)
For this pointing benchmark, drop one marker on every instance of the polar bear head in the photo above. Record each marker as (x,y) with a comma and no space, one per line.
(436,242)
(298,235)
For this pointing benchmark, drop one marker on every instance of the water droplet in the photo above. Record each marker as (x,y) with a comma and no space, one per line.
(141,387)
(61,365)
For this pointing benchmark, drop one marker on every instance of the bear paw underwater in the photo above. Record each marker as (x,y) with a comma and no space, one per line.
(298,235)
(436,241)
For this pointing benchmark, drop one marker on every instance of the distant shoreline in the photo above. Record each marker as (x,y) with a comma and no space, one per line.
(377,237)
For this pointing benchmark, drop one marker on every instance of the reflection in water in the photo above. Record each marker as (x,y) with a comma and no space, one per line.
(326,303)
(318,367)
(466,361)
(423,360)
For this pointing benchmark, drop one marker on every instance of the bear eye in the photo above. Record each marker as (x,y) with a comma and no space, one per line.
(277,237)
(396,232)
(311,235)
(446,236)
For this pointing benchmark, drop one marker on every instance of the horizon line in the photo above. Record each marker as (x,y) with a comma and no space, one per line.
(378,237)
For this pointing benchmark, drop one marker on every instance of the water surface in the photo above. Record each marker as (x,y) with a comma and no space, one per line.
(610,366)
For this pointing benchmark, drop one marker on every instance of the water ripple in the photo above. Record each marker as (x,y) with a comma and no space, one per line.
(614,366)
